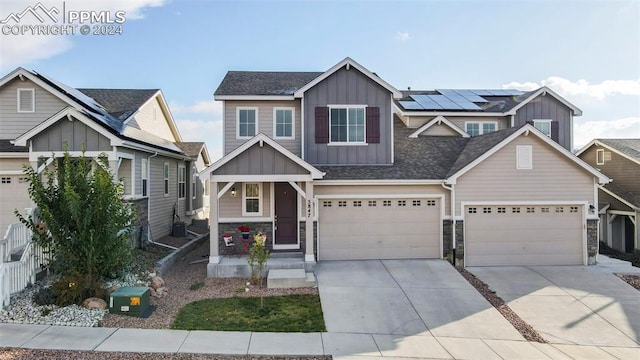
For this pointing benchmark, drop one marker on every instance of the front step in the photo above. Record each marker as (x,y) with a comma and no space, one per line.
(290,278)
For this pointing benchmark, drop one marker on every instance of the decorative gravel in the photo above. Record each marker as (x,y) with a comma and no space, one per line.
(11,354)
(526,330)
(633,280)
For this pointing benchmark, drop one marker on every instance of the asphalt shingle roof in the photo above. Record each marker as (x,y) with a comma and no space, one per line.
(191,149)
(120,103)
(264,82)
(628,196)
(7,146)
(629,147)
(495,103)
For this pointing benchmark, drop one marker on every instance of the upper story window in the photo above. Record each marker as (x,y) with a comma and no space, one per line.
(165,174)
(182,184)
(347,124)
(543,125)
(475,128)
(26,100)
(283,125)
(145,177)
(193,182)
(247,124)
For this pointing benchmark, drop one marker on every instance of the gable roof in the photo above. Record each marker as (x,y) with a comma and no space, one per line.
(628,198)
(481,147)
(194,149)
(314,172)
(628,148)
(6,146)
(263,82)
(120,103)
(438,120)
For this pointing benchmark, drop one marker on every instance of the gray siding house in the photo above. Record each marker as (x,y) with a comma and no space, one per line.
(341,165)
(619,201)
(133,127)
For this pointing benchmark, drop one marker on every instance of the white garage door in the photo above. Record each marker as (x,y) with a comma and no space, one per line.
(379,228)
(523,235)
(13,195)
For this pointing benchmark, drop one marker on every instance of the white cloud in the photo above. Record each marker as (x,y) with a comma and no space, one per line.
(19,50)
(203,130)
(585,131)
(201,107)
(582,87)
(402,36)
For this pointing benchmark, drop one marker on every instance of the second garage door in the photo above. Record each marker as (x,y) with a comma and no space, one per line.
(523,235)
(375,228)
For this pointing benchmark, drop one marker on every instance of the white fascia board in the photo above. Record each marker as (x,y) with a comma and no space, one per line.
(543,91)
(36,155)
(531,130)
(450,113)
(253,97)
(439,119)
(350,62)
(150,149)
(261,178)
(67,112)
(378,182)
(314,173)
(601,144)
(14,155)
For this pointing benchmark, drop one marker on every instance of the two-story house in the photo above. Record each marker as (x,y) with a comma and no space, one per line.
(619,201)
(341,165)
(133,127)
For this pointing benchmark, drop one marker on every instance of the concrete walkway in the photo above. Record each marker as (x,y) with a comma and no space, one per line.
(340,345)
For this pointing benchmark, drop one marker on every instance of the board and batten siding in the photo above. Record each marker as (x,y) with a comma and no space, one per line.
(75,134)
(382,190)
(553,177)
(151,118)
(260,160)
(547,107)
(348,87)
(624,172)
(265,123)
(13,123)
(231,206)
(161,206)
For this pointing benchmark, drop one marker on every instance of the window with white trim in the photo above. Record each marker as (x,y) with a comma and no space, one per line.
(194,178)
(543,125)
(431,203)
(373,203)
(26,100)
(342,203)
(502,210)
(247,124)
(475,128)
(326,203)
(145,176)
(515,210)
(386,202)
(402,202)
(165,174)
(600,157)
(251,199)
(472,210)
(524,157)
(486,210)
(5,180)
(182,181)
(347,124)
(283,123)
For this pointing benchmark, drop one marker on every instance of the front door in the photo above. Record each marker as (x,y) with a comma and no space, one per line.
(286,217)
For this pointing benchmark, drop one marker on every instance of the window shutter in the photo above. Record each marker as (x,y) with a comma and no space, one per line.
(555,131)
(322,125)
(373,125)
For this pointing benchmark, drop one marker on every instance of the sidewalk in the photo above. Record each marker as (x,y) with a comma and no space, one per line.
(340,345)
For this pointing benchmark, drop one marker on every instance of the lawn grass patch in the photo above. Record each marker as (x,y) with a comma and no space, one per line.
(289,313)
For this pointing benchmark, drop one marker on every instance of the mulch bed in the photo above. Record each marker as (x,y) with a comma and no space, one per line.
(526,330)
(633,280)
(11,354)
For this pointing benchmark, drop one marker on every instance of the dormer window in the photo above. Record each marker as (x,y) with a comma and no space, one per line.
(347,124)
(247,122)
(475,128)
(543,125)
(26,100)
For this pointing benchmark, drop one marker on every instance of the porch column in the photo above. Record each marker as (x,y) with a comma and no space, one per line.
(308,256)
(214,257)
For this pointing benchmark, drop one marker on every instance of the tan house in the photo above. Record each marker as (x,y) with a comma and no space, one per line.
(341,165)
(619,201)
(133,127)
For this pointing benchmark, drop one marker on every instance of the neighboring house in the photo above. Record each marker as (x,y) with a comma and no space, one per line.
(619,201)
(341,165)
(133,127)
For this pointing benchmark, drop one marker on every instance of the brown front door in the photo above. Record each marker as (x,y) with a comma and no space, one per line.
(286,219)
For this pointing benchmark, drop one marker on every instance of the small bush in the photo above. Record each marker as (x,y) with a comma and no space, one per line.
(633,257)
(75,289)
(197,285)
(45,296)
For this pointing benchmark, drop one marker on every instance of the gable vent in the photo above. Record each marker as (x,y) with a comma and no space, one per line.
(26,100)
(524,157)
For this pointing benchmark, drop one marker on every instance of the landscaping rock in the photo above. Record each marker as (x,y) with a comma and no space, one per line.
(157,282)
(94,303)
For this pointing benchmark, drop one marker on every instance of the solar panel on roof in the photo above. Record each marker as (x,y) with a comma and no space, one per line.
(410,105)
(426,102)
(468,105)
(513,92)
(444,102)
(499,92)
(482,92)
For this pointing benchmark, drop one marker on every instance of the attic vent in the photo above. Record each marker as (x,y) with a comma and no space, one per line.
(26,100)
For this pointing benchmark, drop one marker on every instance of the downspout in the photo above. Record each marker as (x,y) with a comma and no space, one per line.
(453,222)
(149,196)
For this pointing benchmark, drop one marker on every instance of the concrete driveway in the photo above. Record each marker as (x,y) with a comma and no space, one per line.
(569,304)
(397,298)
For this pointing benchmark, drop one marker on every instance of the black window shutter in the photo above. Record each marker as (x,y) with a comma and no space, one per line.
(322,125)
(373,125)
(555,131)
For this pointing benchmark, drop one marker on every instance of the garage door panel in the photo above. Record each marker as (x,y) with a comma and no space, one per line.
(379,229)
(523,235)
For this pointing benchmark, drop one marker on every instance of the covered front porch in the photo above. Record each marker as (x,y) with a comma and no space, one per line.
(264,187)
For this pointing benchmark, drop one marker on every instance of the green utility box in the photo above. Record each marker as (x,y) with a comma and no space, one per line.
(130,300)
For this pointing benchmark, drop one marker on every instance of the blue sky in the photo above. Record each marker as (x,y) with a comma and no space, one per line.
(587,51)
